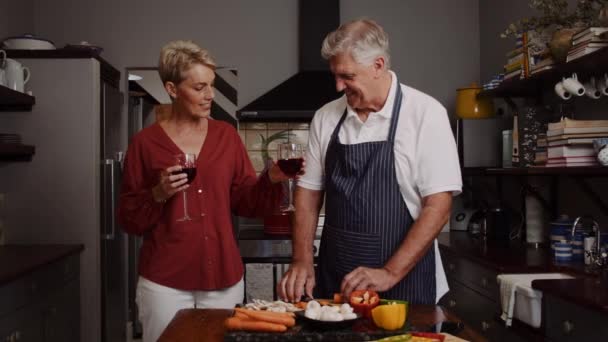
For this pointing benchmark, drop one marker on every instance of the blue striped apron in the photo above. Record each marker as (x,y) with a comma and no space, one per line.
(366,217)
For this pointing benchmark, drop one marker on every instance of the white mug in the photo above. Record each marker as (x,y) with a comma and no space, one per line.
(17,75)
(602,84)
(561,91)
(591,89)
(2,64)
(573,86)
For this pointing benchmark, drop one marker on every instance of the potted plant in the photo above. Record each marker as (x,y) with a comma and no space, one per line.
(558,21)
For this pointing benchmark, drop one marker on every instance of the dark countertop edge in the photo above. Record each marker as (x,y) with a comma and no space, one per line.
(570,290)
(60,252)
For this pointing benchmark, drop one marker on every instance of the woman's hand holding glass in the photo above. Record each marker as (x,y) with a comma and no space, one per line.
(170,184)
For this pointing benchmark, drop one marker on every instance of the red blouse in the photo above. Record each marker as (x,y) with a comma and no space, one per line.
(201,254)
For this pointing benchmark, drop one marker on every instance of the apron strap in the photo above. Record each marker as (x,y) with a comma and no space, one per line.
(395,116)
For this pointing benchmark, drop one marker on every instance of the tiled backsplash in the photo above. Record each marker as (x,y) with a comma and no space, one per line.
(251,133)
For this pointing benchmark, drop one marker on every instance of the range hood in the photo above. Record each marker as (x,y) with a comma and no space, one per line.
(300,96)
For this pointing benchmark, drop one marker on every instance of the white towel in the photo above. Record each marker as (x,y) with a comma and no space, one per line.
(509,283)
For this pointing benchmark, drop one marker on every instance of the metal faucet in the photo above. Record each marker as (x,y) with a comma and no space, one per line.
(596,257)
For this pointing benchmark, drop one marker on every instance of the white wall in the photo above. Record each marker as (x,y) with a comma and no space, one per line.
(435,43)
(16,18)
(258,37)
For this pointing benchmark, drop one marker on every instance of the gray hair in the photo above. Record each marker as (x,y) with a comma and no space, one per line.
(364,39)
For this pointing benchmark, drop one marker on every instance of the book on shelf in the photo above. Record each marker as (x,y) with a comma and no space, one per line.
(570,151)
(572,161)
(515,59)
(571,164)
(572,141)
(577,130)
(582,53)
(572,123)
(540,69)
(590,30)
(513,74)
(577,136)
(588,40)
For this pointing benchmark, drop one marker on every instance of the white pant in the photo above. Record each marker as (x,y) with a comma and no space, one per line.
(158,304)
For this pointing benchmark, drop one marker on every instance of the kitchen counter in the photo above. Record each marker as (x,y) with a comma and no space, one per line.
(197,325)
(587,290)
(18,260)
(506,257)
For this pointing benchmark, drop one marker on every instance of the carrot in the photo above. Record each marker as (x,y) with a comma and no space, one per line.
(240,315)
(236,323)
(301,305)
(338,298)
(272,317)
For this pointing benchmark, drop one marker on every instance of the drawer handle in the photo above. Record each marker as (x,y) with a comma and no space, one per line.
(485,326)
(452,303)
(484,282)
(568,327)
(451,267)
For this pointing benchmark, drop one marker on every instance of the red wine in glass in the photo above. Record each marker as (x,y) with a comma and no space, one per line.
(188,163)
(290,162)
(189,171)
(292,166)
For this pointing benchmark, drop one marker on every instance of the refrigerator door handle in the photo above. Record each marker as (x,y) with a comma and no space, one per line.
(109,199)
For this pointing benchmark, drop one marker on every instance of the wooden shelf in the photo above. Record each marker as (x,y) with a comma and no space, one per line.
(536,171)
(16,152)
(11,100)
(593,64)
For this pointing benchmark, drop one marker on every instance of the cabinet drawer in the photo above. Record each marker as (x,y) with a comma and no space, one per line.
(38,284)
(477,277)
(569,322)
(478,312)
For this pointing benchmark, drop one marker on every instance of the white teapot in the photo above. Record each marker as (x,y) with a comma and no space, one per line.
(17,75)
(2,65)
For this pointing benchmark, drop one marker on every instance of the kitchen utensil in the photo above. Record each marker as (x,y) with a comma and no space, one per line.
(28,42)
(469,106)
(17,75)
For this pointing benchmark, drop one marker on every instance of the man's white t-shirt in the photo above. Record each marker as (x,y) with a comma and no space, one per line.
(426,159)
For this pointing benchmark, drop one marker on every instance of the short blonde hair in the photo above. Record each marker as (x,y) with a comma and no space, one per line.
(364,39)
(178,57)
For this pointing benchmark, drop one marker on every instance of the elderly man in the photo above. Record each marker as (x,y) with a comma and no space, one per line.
(384,157)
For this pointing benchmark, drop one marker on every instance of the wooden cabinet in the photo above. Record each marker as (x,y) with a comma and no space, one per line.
(565,321)
(474,296)
(43,305)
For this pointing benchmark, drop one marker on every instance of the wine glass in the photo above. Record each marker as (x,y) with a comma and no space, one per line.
(188,163)
(290,162)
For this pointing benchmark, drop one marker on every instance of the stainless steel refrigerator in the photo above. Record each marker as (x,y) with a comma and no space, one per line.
(114,242)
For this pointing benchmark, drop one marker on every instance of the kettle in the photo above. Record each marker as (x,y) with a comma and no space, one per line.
(469,106)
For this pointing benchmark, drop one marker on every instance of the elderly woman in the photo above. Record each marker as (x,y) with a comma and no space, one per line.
(193,262)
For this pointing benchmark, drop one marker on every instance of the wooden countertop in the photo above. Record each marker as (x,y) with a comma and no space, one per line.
(17,260)
(198,325)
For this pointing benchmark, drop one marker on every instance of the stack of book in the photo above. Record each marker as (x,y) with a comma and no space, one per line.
(587,41)
(570,142)
(540,152)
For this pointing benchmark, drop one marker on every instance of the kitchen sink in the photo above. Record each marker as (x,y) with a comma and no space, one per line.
(519,300)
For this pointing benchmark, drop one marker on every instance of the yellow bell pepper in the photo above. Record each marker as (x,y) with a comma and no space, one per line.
(390,316)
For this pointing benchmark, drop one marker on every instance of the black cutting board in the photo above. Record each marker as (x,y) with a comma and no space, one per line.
(362,330)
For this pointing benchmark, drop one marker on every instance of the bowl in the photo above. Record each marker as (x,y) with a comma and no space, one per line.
(28,42)
(326,325)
